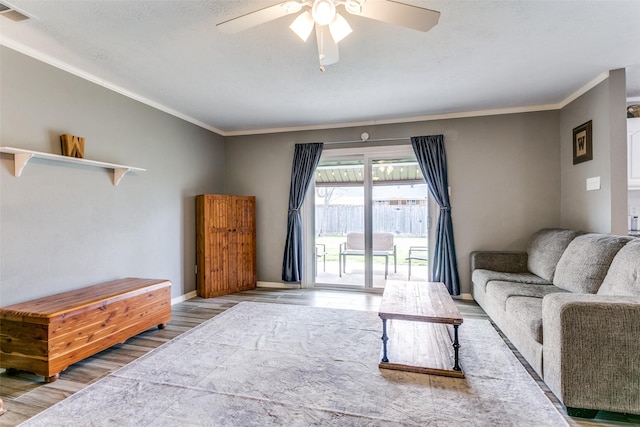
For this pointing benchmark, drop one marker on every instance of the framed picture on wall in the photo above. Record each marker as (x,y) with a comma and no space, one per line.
(582,143)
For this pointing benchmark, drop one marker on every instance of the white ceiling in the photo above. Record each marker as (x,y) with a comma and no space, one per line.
(483,55)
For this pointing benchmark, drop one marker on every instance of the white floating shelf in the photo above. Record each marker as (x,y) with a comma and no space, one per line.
(21,158)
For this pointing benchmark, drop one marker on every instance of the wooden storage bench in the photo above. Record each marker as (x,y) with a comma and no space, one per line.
(46,335)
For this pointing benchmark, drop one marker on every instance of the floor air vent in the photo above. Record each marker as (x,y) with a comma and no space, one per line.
(12,14)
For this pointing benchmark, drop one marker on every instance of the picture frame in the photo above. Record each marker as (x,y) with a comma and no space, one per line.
(582,143)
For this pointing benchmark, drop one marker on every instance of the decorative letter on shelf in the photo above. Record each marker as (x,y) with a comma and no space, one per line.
(72,146)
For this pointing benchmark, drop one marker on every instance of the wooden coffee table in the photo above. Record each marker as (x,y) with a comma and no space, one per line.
(419,338)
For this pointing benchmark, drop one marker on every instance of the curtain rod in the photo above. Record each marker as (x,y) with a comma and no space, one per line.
(366,139)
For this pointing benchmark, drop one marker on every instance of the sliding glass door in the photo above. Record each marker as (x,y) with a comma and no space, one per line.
(370,219)
(340,217)
(399,220)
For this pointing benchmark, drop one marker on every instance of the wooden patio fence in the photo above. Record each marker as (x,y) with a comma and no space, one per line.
(402,220)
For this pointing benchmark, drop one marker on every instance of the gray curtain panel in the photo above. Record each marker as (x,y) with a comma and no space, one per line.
(305,160)
(432,159)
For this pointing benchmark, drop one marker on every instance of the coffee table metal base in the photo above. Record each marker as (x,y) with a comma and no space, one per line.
(420,329)
(424,348)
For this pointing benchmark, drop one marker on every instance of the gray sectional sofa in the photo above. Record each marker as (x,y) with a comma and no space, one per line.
(571,305)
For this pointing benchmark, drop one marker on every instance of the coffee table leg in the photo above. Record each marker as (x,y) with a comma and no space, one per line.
(456,346)
(385,338)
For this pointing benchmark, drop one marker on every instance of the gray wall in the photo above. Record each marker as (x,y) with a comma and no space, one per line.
(64,226)
(504,173)
(605,210)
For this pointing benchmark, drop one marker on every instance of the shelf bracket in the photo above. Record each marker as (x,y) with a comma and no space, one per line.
(20,160)
(118,173)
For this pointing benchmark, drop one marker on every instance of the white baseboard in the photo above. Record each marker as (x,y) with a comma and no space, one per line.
(273,285)
(466,297)
(184,297)
(277,285)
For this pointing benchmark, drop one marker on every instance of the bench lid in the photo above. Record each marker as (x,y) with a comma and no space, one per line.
(55,305)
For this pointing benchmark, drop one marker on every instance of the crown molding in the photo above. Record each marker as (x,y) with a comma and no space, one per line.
(584,89)
(40,56)
(12,44)
(445,116)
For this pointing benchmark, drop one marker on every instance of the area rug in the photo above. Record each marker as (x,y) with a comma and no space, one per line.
(262,364)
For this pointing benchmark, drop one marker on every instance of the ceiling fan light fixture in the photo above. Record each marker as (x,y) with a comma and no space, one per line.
(303,25)
(323,11)
(292,6)
(354,7)
(339,28)
(330,26)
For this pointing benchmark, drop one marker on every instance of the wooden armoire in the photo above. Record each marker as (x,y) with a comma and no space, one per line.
(225,244)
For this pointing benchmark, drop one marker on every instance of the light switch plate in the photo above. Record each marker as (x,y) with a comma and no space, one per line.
(593,183)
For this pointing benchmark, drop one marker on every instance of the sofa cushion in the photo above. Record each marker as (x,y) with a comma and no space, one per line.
(545,249)
(482,277)
(500,292)
(623,277)
(585,262)
(527,313)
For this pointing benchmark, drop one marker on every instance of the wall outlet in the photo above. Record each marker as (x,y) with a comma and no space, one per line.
(593,183)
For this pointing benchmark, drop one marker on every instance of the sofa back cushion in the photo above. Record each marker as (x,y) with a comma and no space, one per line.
(623,277)
(545,249)
(585,262)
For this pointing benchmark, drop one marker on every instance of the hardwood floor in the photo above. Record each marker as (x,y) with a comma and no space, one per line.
(25,394)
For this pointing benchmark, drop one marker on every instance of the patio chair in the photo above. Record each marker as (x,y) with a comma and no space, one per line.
(417,253)
(321,252)
(382,246)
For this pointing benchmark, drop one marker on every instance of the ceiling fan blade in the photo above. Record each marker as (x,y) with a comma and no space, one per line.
(400,14)
(253,19)
(327,47)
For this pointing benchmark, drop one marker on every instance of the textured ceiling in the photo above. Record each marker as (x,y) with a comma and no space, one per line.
(483,55)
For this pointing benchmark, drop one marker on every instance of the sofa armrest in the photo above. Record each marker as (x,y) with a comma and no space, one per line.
(591,350)
(506,262)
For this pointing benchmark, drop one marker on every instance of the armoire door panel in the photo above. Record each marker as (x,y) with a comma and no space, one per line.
(245,256)
(226,247)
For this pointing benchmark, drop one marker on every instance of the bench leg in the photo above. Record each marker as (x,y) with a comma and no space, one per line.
(340,265)
(2,410)
(409,277)
(52,378)
(162,325)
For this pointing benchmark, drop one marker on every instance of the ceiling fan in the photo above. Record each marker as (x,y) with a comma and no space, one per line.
(330,26)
